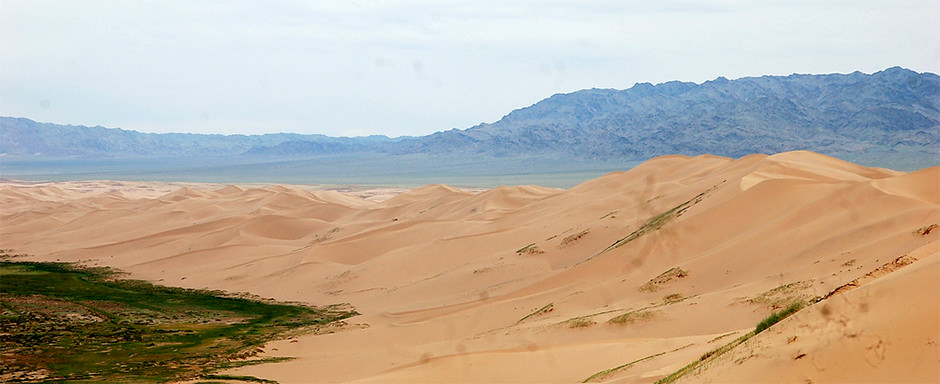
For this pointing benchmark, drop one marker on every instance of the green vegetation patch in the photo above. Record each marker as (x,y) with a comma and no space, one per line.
(586,320)
(580,322)
(600,376)
(64,323)
(603,375)
(633,316)
(775,317)
(698,365)
(784,295)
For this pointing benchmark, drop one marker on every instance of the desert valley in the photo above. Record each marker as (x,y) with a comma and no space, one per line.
(295,191)
(626,278)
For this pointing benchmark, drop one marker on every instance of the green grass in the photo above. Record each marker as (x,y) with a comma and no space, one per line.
(775,317)
(706,357)
(65,323)
(608,372)
(699,364)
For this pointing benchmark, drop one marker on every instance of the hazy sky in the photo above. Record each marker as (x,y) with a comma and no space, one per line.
(413,67)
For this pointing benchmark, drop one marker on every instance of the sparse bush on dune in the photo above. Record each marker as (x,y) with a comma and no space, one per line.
(580,322)
(784,295)
(530,249)
(673,298)
(573,238)
(546,309)
(632,317)
(657,282)
(924,231)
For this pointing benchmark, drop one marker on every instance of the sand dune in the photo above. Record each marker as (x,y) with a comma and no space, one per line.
(642,271)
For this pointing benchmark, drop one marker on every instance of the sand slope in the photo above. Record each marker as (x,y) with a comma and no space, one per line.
(653,266)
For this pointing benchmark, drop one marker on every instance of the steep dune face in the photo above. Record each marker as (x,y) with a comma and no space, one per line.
(881,329)
(625,278)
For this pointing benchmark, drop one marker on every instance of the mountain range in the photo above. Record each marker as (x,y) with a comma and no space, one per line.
(891,116)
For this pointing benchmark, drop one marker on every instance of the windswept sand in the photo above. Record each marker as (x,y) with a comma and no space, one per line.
(450,282)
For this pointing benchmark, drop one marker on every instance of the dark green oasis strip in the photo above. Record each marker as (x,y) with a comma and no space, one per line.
(64,323)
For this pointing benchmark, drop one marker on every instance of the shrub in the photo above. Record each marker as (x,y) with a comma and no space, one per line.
(573,238)
(632,317)
(580,322)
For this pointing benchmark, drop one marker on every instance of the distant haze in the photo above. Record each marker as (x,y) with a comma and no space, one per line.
(412,67)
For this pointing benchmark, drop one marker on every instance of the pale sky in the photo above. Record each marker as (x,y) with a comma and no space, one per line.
(351,68)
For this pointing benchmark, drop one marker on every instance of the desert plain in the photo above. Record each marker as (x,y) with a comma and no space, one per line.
(626,278)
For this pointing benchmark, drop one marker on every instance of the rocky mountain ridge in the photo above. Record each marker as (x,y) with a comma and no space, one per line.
(892,111)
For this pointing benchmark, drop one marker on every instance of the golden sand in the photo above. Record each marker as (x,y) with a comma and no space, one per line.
(521,284)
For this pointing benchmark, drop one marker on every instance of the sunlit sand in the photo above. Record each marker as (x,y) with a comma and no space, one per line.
(625,278)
